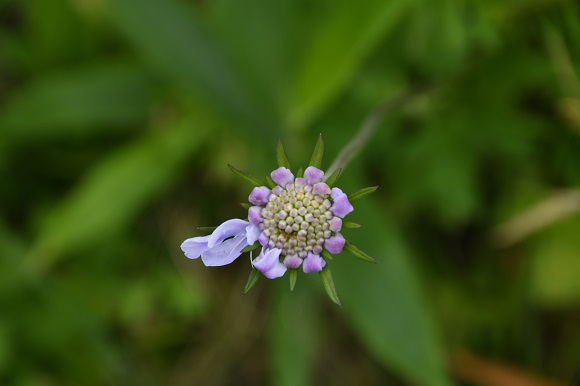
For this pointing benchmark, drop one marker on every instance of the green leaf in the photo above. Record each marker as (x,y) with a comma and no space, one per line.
(350,248)
(172,37)
(281,156)
(361,193)
(331,180)
(328,283)
(350,224)
(245,205)
(386,307)
(317,154)
(114,192)
(555,266)
(341,43)
(85,102)
(252,280)
(247,176)
(293,356)
(300,173)
(293,277)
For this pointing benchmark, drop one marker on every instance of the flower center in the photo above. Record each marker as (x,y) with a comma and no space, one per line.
(296,220)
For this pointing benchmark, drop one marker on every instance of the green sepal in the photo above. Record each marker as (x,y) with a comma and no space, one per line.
(350,224)
(316,159)
(349,247)
(331,180)
(245,205)
(206,229)
(293,276)
(249,248)
(270,182)
(281,156)
(361,193)
(329,287)
(300,173)
(326,254)
(246,176)
(252,279)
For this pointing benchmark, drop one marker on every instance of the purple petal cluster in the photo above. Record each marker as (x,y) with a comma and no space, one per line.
(293,222)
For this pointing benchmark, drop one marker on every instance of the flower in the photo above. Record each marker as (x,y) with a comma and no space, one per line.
(296,220)
(299,218)
(224,245)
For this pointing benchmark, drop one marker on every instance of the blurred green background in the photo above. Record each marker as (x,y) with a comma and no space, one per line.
(118,119)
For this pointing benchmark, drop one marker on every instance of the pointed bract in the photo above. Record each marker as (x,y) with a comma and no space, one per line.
(252,280)
(317,154)
(361,193)
(246,176)
(331,179)
(281,156)
(293,277)
(328,284)
(352,249)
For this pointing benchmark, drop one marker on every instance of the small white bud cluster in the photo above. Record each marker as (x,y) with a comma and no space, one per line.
(297,220)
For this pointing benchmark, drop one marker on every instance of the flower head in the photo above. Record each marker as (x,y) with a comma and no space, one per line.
(296,220)
(298,217)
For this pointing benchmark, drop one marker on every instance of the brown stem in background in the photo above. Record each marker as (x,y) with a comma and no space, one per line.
(480,371)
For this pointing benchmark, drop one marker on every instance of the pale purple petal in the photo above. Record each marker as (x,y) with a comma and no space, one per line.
(313,175)
(268,262)
(341,206)
(259,195)
(335,224)
(336,192)
(292,261)
(277,190)
(227,229)
(195,246)
(321,188)
(226,252)
(300,181)
(313,263)
(282,176)
(252,233)
(263,239)
(334,244)
(254,215)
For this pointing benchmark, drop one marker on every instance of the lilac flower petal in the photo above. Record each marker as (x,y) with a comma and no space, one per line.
(252,233)
(300,182)
(195,246)
(254,215)
(336,192)
(321,188)
(334,244)
(335,224)
(227,229)
(263,239)
(313,263)
(268,262)
(282,176)
(277,190)
(259,195)
(292,261)
(341,206)
(224,253)
(313,175)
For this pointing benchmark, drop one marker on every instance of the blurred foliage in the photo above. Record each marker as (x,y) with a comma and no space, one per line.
(117,120)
